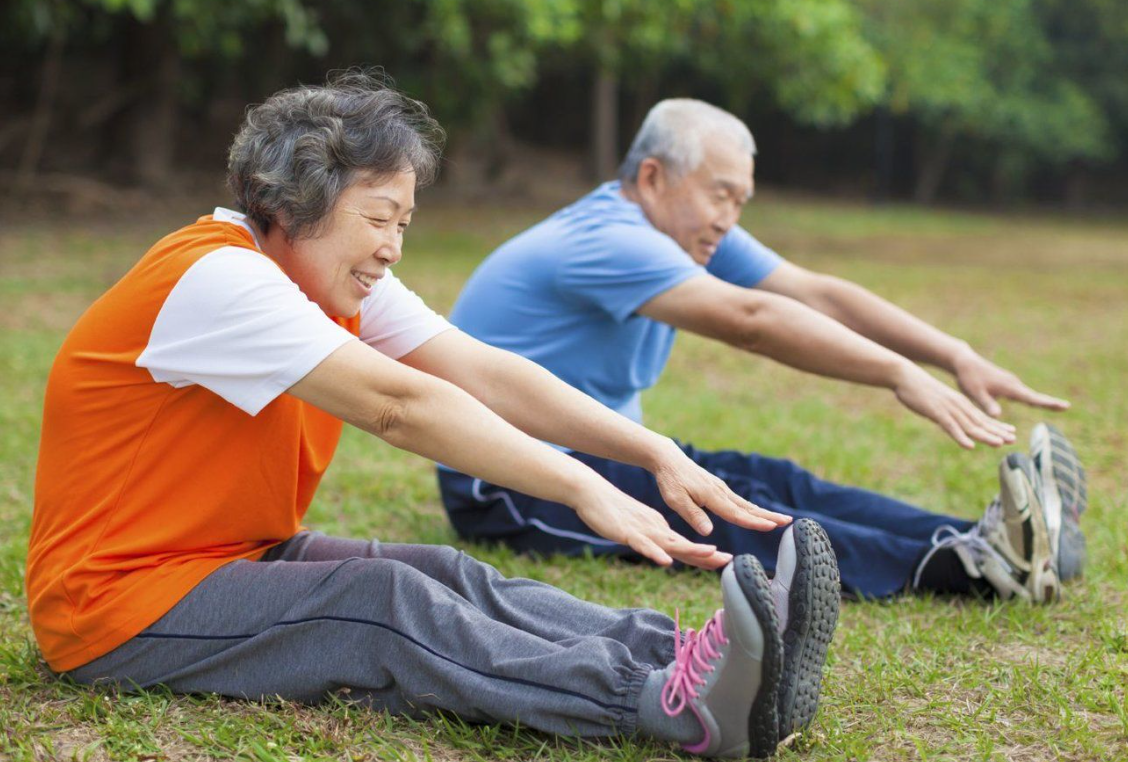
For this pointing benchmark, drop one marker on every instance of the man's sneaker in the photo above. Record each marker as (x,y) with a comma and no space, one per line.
(1064,491)
(1010,546)
(728,674)
(806,591)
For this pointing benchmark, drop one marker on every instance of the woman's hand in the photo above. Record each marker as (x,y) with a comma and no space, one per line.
(619,517)
(691,491)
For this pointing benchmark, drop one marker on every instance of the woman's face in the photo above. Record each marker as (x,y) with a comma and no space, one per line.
(362,238)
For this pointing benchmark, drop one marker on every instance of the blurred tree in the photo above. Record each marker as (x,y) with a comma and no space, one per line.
(806,56)
(1090,42)
(152,38)
(1024,89)
(982,71)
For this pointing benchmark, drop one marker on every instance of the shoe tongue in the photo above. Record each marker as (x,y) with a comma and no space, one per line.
(969,561)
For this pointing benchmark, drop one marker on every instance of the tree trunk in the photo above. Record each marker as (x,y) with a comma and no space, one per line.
(605,125)
(1076,187)
(149,125)
(41,120)
(934,155)
(883,154)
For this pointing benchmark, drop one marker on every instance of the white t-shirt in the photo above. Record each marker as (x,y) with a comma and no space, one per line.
(235,324)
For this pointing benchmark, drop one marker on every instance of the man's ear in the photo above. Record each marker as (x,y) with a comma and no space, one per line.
(651,176)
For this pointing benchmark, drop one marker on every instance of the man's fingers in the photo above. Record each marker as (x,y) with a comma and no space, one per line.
(977,421)
(1027,395)
(955,431)
(986,402)
(974,430)
(983,428)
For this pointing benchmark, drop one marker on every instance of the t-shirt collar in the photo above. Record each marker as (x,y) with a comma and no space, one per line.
(235,218)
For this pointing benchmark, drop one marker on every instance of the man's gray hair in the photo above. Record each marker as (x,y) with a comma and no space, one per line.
(297,152)
(675,131)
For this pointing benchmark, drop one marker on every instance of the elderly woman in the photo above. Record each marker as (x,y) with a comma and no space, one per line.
(193,409)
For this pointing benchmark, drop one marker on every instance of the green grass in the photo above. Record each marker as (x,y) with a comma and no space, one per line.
(915,678)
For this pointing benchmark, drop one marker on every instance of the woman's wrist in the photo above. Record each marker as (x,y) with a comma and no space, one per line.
(660,452)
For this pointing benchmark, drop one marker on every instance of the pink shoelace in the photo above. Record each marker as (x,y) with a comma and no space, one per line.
(694,653)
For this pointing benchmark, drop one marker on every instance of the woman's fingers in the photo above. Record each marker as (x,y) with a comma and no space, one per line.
(689,509)
(742,512)
(644,546)
(692,493)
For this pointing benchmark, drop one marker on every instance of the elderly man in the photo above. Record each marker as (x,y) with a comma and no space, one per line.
(595,294)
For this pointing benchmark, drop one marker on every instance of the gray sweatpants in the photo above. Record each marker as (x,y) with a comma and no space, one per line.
(407,628)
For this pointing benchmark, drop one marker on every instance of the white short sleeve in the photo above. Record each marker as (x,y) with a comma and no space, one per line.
(236,325)
(394,320)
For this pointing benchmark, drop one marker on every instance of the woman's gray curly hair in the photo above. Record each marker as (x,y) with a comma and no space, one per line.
(297,152)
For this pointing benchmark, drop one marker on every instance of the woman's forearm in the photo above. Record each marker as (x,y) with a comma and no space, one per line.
(549,409)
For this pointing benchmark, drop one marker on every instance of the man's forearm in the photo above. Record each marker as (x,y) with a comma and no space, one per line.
(887,324)
(795,335)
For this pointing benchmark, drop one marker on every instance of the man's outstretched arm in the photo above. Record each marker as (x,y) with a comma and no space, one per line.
(796,335)
(907,335)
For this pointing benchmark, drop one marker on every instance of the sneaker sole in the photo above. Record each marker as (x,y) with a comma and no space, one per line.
(763,718)
(812,616)
(1064,492)
(1041,581)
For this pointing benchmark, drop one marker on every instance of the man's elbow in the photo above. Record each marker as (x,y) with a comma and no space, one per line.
(754,323)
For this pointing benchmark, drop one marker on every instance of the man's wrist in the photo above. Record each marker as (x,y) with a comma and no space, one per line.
(960,354)
(900,370)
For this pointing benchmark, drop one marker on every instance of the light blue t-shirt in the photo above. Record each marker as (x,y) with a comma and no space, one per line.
(564,294)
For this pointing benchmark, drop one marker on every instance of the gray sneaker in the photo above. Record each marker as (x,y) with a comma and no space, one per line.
(728,674)
(806,591)
(1064,492)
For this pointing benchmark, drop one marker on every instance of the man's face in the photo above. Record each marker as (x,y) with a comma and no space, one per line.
(698,209)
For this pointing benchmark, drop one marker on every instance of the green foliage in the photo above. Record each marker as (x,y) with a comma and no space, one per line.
(1018,83)
(986,70)
(218,26)
(809,55)
(481,51)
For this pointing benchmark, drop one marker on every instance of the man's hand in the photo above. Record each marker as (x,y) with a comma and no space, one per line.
(689,489)
(949,409)
(984,381)
(621,518)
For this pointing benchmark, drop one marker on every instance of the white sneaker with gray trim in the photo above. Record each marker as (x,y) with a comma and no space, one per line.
(1062,487)
(1010,546)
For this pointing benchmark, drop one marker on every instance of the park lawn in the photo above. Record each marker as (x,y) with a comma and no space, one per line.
(914,678)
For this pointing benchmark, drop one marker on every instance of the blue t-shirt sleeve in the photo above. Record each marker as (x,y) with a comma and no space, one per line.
(622,268)
(742,260)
